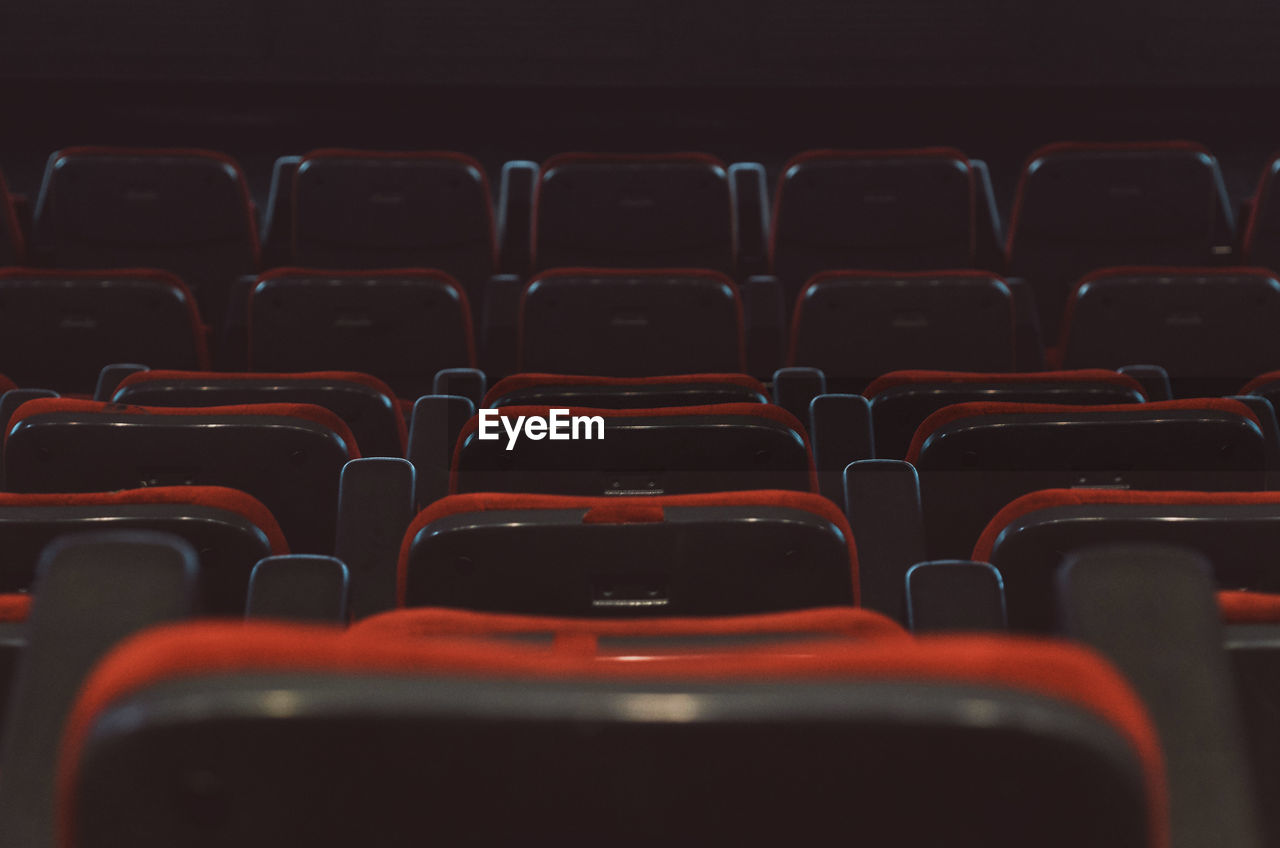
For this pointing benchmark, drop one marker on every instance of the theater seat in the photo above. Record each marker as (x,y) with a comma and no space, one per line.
(407,740)
(901,400)
(726,553)
(400,325)
(1237,532)
(671,451)
(59,328)
(366,404)
(1261,240)
(289,456)
(973,458)
(634,211)
(182,210)
(883,209)
(625,392)
(385,209)
(631,323)
(12,248)
(229,529)
(856,325)
(1209,328)
(1080,207)
(626,640)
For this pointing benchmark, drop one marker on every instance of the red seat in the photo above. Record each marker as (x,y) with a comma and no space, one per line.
(670,450)
(722,553)
(365,403)
(717,744)
(289,456)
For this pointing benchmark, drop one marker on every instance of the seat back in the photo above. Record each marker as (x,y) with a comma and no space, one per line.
(631,323)
(366,404)
(672,450)
(1236,532)
(902,400)
(1209,328)
(384,209)
(855,325)
(1261,241)
(730,553)
(973,458)
(185,211)
(634,211)
(59,328)
(230,531)
(289,456)
(625,392)
(400,325)
(884,209)
(1081,207)
(405,738)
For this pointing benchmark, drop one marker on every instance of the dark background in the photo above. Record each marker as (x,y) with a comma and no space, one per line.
(753,80)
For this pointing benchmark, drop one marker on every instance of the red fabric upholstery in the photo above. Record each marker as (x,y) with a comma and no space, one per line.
(895,379)
(344,274)
(948,153)
(696,273)
(184,153)
(959,411)
(366,380)
(753,410)
(1050,498)
(14,608)
(516,382)
(1260,381)
(623,510)
(306,411)
(439,621)
(1249,607)
(199,331)
(797,314)
(421,155)
(1058,670)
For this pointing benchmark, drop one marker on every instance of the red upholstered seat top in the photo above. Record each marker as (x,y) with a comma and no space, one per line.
(583,632)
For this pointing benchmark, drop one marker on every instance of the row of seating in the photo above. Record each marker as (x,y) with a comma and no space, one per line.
(880,423)
(713,554)
(963,464)
(1078,207)
(1209,328)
